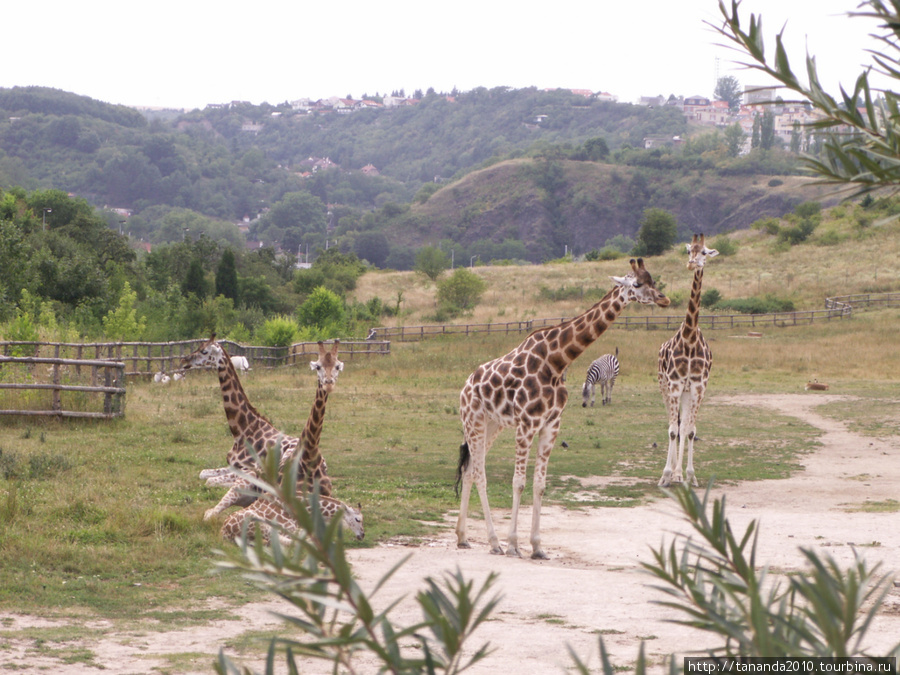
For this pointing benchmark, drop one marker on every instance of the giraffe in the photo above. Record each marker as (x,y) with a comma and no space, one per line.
(268,510)
(253,433)
(683,371)
(525,389)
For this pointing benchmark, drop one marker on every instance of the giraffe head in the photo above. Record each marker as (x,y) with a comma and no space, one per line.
(209,355)
(353,520)
(698,253)
(327,367)
(639,286)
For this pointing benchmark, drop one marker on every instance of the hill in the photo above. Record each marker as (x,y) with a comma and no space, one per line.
(556,206)
(499,173)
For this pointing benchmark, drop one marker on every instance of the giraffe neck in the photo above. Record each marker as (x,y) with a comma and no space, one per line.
(577,334)
(690,328)
(239,412)
(312,432)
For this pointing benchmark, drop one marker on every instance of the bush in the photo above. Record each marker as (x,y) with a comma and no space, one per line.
(462,290)
(798,233)
(724,245)
(334,618)
(775,182)
(710,298)
(767,225)
(322,309)
(605,253)
(715,581)
(765,305)
(278,331)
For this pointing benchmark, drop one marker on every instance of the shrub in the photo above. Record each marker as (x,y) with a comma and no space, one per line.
(808,209)
(322,308)
(724,245)
(798,233)
(765,305)
(775,182)
(767,225)
(335,619)
(462,290)
(710,298)
(715,581)
(278,331)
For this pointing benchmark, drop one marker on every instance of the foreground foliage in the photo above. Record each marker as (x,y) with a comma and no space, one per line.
(335,618)
(715,583)
(868,156)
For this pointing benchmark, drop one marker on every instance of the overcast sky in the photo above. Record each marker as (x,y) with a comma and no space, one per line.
(188,53)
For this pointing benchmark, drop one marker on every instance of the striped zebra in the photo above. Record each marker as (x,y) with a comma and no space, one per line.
(603,371)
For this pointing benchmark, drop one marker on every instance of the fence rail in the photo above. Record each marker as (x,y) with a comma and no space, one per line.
(106,378)
(146,358)
(839,310)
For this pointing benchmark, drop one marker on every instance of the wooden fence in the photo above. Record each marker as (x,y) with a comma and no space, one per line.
(840,310)
(74,387)
(146,358)
(864,300)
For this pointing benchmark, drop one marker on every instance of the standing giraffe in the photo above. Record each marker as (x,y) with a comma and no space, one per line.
(525,389)
(251,430)
(684,363)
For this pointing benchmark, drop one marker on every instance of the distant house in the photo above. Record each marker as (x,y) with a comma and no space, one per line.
(756,94)
(661,141)
(251,127)
(652,101)
(606,96)
(369,170)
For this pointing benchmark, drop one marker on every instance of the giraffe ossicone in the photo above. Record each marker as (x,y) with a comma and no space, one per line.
(526,389)
(683,373)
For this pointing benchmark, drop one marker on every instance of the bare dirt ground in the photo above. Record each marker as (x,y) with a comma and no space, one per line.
(593,584)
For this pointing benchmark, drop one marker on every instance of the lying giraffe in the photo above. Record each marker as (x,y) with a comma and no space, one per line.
(268,511)
(252,430)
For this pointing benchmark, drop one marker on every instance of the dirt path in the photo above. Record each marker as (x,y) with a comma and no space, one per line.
(593,583)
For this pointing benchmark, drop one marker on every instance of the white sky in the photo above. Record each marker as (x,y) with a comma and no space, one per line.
(187,53)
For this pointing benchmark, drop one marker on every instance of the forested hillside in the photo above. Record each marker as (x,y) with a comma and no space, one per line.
(499,173)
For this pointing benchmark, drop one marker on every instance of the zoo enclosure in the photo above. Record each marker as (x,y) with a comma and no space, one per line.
(835,308)
(105,380)
(146,358)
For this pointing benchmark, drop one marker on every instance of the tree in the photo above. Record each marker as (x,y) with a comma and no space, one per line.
(867,159)
(728,89)
(226,276)
(462,290)
(734,139)
(796,137)
(372,246)
(658,230)
(755,135)
(122,323)
(195,281)
(767,130)
(323,309)
(431,261)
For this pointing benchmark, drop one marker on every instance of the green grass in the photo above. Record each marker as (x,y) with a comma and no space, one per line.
(105,518)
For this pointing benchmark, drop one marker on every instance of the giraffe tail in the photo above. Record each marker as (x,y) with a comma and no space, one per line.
(461,467)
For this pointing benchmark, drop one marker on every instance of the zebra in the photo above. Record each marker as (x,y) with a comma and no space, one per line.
(604,370)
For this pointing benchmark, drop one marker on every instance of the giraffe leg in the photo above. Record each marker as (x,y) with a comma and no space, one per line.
(546,439)
(236,496)
(214,473)
(691,432)
(524,438)
(672,408)
(479,438)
